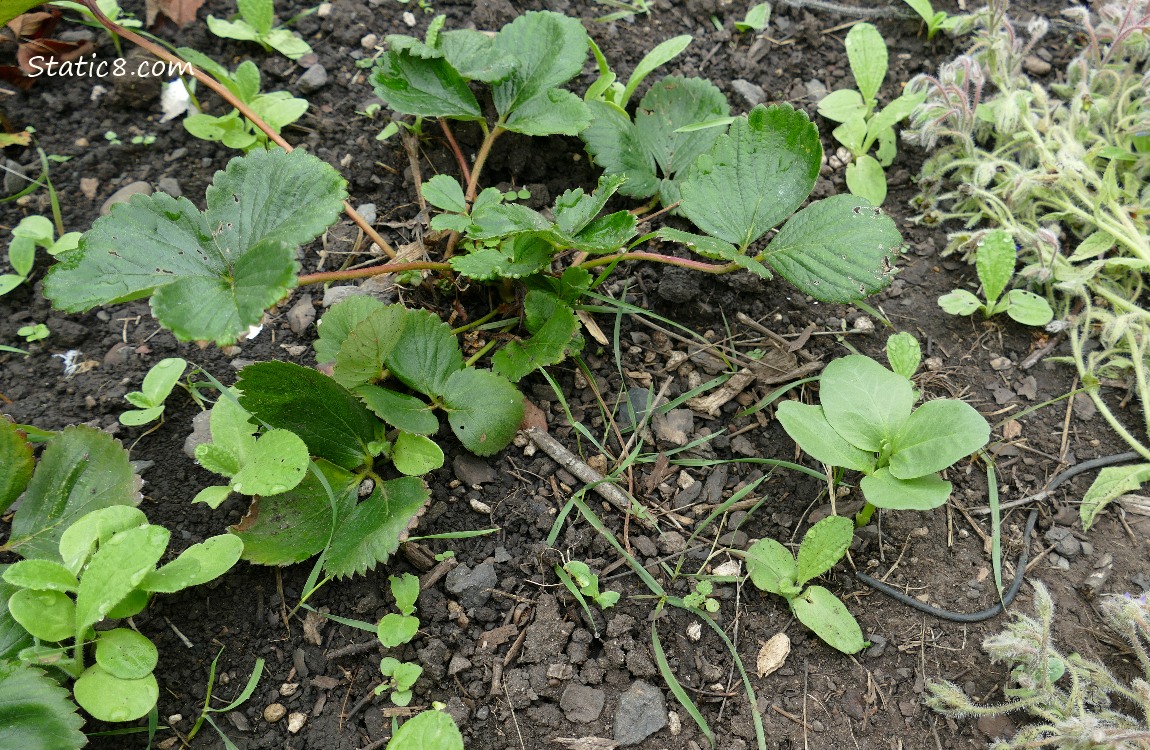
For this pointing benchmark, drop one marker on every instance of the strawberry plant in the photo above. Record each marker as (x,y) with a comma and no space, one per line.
(866,421)
(775,570)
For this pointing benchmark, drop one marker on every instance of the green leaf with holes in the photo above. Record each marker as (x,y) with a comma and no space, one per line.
(210,274)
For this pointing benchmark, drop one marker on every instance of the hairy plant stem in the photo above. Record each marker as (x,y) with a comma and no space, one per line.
(1089,379)
(231,99)
(463,168)
(364,273)
(480,160)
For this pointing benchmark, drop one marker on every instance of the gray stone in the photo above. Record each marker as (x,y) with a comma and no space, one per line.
(1064,541)
(675,426)
(471,584)
(751,92)
(301,315)
(171,186)
(642,711)
(14,178)
(122,195)
(313,79)
(582,704)
(200,433)
(816,89)
(367,211)
(473,471)
(458,663)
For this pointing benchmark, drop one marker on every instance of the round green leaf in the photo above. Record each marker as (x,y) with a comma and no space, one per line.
(196,565)
(959,302)
(109,698)
(137,417)
(936,435)
(408,413)
(772,567)
(160,380)
(415,455)
(277,462)
(1028,308)
(126,654)
(395,629)
(866,179)
(922,493)
(47,615)
(213,496)
(484,410)
(41,575)
(865,402)
(842,105)
(822,612)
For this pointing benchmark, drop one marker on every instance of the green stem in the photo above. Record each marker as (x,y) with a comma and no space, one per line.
(479,354)
(480,160)
(364,273)
(862,518)
(475,323)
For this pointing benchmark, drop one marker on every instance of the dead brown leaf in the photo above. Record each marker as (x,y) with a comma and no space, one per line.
(182,12)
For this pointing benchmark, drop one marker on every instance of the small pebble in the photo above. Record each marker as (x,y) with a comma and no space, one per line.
(274,713)
(296,722)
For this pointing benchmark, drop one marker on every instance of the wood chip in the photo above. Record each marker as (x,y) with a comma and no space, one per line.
(773,654)
(712,402)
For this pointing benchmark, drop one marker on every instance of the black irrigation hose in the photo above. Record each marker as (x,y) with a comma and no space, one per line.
(1024,556)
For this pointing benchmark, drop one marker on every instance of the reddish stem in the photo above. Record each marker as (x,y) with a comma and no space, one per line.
(364,273)
(670,260)
(231,99)
(464,170)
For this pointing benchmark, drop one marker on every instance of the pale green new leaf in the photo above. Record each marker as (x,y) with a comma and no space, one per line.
(13,637)
(867,54)
(116,568)
(287,43)
(415,455)
(959,302)
(1111,483)
(395,629)
(126,654)
(866,179)
(484,410)
(405,589)
(97,527)
(824,544)
(46,615)
(851,133)
(259,13)
(842,105)
(772,568)
(196,565)
(1028,308)
(903,353)
(427,87)
(520,256)
(400,410)
(337,323)
(445,193)
(864,402)
(81,470)
(661,54)
(754,176)
(838,249)
(238,30)
(373,529)
(883,490)
(36,712)
(430,730)
(549,49)
(160,380)
(938,434)
(426,355)
(212,274)
(808,426)
(41,575)
(360,357)
(822,612)
(994,259)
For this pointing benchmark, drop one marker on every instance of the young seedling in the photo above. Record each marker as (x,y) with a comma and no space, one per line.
(934,20)
(756,19)
(277,108)
(775,570)
(106,568)
(701,598)
(30,233)
(33,333)
(862,127)
(588,584)
(157,386)
(607,87)
(867,422)
(256,23)
(430,729)
(994,259)
(396,629)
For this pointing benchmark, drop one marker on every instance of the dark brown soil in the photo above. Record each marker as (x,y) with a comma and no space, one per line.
(507,691)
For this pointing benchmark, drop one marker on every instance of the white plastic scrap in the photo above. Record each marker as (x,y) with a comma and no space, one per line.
(174,100)
(71,361)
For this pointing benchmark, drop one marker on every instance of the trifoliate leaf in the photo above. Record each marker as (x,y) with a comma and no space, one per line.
(35,712)
(754,176)
(81,470)
(360,357)
(549,50)
(325,415)
(551,342)
(16,458)
(427,87)
(519,256)
(426,355)
(211,275)
(399,410)
(289,528)
(484,410)
(574,209)
(374,528)
(337,323)
(648,152)
(504,220)
(474,55)
(837,250)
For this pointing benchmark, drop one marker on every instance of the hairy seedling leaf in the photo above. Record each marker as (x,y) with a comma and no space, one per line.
(79,541)
(109,698)
(126,654)
(903,353)
(1111,482)
(47,615)
(994,259)
(867,54)
(772,568)
(822,612)
(196,565)
(1028,308)
(211,275)
(116,568)
(824,544)
(395,629)
(959,302)
(41,575)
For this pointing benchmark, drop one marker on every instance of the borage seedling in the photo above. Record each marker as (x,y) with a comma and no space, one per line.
(862,126)
(867,422)
(33,333)
(396,629)
(106,568)
(154,391)
(934,20)
(995,256)
(256,23)
(775,570)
